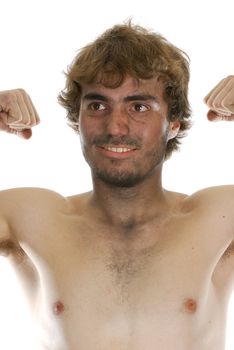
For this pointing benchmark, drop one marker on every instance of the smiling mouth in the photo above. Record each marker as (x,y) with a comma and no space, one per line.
(118,149)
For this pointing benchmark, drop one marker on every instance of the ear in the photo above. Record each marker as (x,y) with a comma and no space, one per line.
(174,128)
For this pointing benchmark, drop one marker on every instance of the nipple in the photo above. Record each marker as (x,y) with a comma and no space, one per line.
(190,306)
(58,308)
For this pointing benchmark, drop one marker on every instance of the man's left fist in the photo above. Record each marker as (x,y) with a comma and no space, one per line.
(220,100)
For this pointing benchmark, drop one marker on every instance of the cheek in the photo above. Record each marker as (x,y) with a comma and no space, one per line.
(155,134)
(87,129)
(84,139)
(90,125)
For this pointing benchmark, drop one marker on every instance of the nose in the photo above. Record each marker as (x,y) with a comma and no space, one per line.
(117,123)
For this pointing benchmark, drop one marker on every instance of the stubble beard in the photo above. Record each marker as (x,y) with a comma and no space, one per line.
(124,178)
(118,178)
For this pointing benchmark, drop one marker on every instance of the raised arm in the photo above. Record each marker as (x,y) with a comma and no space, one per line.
(220,101)
(17,116)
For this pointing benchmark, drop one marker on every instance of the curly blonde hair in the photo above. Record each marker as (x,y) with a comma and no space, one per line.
(131,50)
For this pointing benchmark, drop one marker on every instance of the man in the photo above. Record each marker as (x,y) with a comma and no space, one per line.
(128,265)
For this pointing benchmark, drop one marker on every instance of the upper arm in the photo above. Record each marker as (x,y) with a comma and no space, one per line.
(22,212)
(217,202)
(20,262)
(9,245)
(24,215)
(215,208)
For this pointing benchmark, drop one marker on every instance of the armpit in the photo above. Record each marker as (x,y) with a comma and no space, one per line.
(8,248)
(229,251)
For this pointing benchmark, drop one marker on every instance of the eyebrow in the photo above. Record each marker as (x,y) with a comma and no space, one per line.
(95,96)
(140,97)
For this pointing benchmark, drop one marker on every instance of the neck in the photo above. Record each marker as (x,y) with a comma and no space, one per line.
(126,206)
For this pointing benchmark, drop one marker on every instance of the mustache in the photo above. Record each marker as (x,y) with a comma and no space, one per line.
(116,140)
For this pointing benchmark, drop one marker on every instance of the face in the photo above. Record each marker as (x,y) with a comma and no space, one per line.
(124,131)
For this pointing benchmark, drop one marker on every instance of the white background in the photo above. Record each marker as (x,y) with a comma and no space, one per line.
(38,39)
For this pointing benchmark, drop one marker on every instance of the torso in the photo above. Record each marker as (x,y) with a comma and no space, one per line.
(164,286)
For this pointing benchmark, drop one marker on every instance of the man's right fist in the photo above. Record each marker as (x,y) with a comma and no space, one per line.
(17,113)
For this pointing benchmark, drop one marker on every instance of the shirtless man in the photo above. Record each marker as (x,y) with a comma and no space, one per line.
(128,265)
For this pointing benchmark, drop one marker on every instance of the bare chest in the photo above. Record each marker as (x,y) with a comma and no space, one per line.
(128,288)
(153,261)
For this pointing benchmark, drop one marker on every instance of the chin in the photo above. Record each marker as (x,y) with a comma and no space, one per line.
(119,179)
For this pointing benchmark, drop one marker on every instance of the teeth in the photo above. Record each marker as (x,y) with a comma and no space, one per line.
(118,150)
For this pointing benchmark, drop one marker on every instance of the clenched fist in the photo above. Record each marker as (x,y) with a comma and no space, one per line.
(220,100)
(17,113)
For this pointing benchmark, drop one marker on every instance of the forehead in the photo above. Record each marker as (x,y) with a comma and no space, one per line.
(130,86)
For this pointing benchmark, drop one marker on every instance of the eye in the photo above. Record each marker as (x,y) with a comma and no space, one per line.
(96,106)
(139,107)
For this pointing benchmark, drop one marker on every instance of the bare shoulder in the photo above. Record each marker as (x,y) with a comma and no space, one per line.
(18,198)
(21,210)
(30,191)
(213,199)
(212,210)
(19,205)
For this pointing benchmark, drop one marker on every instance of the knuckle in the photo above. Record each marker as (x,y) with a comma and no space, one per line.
(209,103)
(216,104)
(21,91)
(6,98)
(21,95)
(230,77)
